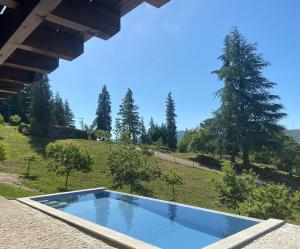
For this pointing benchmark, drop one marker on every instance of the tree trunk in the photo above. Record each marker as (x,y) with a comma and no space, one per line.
(131,187)
(232,158)
(66,183)
(28,167)
(246,160)
(173,193)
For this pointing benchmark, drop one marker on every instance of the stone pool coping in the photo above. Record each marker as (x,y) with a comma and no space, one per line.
(231,242)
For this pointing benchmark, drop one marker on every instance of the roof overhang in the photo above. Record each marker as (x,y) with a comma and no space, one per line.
(35,34)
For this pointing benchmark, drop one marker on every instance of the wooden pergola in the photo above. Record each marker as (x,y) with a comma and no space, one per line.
(35,34)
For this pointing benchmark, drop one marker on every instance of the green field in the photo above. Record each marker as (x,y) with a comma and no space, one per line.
(197,190)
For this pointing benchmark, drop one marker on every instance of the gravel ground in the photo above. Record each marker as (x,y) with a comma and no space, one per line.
(22,227)
(285,237)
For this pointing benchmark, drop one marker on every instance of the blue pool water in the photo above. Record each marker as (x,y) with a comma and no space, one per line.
(159,223)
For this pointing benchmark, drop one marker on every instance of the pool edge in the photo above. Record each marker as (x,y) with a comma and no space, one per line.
(232,242)
(101,232)
(244,237)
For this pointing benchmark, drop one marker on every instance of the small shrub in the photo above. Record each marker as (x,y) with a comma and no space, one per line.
(3,152)
(29,159)
(172,178)
(15,120)
(24,129)
(1,120)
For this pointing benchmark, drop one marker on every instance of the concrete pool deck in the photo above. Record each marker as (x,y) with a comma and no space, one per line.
(24,227)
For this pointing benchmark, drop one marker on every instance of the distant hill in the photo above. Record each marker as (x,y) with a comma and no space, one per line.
(180,135)
(294,133)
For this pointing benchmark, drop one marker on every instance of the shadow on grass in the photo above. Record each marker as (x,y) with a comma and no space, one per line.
(141,190)
(39,144)
(29,177)
(270,174)
(265,173)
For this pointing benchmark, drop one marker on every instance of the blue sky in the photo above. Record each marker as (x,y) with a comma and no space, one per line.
(175,48)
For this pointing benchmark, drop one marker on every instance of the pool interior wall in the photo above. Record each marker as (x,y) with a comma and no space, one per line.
(163,224)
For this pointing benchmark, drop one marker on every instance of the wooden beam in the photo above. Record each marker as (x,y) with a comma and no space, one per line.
(90,19)
(5,95)
(19,76)
(11,4)
(31,61)
(8,87)
(55,43)
(31,22)
(157,3)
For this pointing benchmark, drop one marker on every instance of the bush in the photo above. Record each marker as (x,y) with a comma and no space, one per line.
(3,152)
(269,201)
(24,129)
(248,197)
(15,120)
(1,120)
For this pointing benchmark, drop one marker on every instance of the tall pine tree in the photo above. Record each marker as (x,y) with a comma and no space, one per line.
(128,119)
(41,107)
(69,116)
(248,116)
(103,114)
(143,133)
(59,111)
(171,123)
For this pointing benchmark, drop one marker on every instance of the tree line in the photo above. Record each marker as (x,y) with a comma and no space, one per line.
(36,105)
(130,123)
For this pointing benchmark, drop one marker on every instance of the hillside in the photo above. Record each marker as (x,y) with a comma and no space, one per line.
(294,133)
(197,189)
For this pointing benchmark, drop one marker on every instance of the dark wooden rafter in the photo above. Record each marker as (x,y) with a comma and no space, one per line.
(157,3)
(9,3)
(4,95)
(31,61)
(40,32)
(9,87)
(32,21)
(93,20)
(54,42)
(19,76)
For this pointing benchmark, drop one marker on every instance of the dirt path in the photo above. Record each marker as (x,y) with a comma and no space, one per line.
(13,180)
(172,158)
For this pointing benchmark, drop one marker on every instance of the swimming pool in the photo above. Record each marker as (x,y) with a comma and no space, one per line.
(162,224)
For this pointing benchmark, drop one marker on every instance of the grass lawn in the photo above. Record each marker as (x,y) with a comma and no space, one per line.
(197,190)
(11,192)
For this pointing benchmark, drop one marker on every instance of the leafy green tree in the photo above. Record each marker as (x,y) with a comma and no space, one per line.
(173,179)
(41,107)
(233,190)
(67,157)
(248,116)
(1,120)
(103,114)
(128,119)
(103,135)
(171,122)
(29,159)
(15,120)
(59,111)
(3,152)
(127,167)
(143,133)
(69,116)
(269,201)
(287,156)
